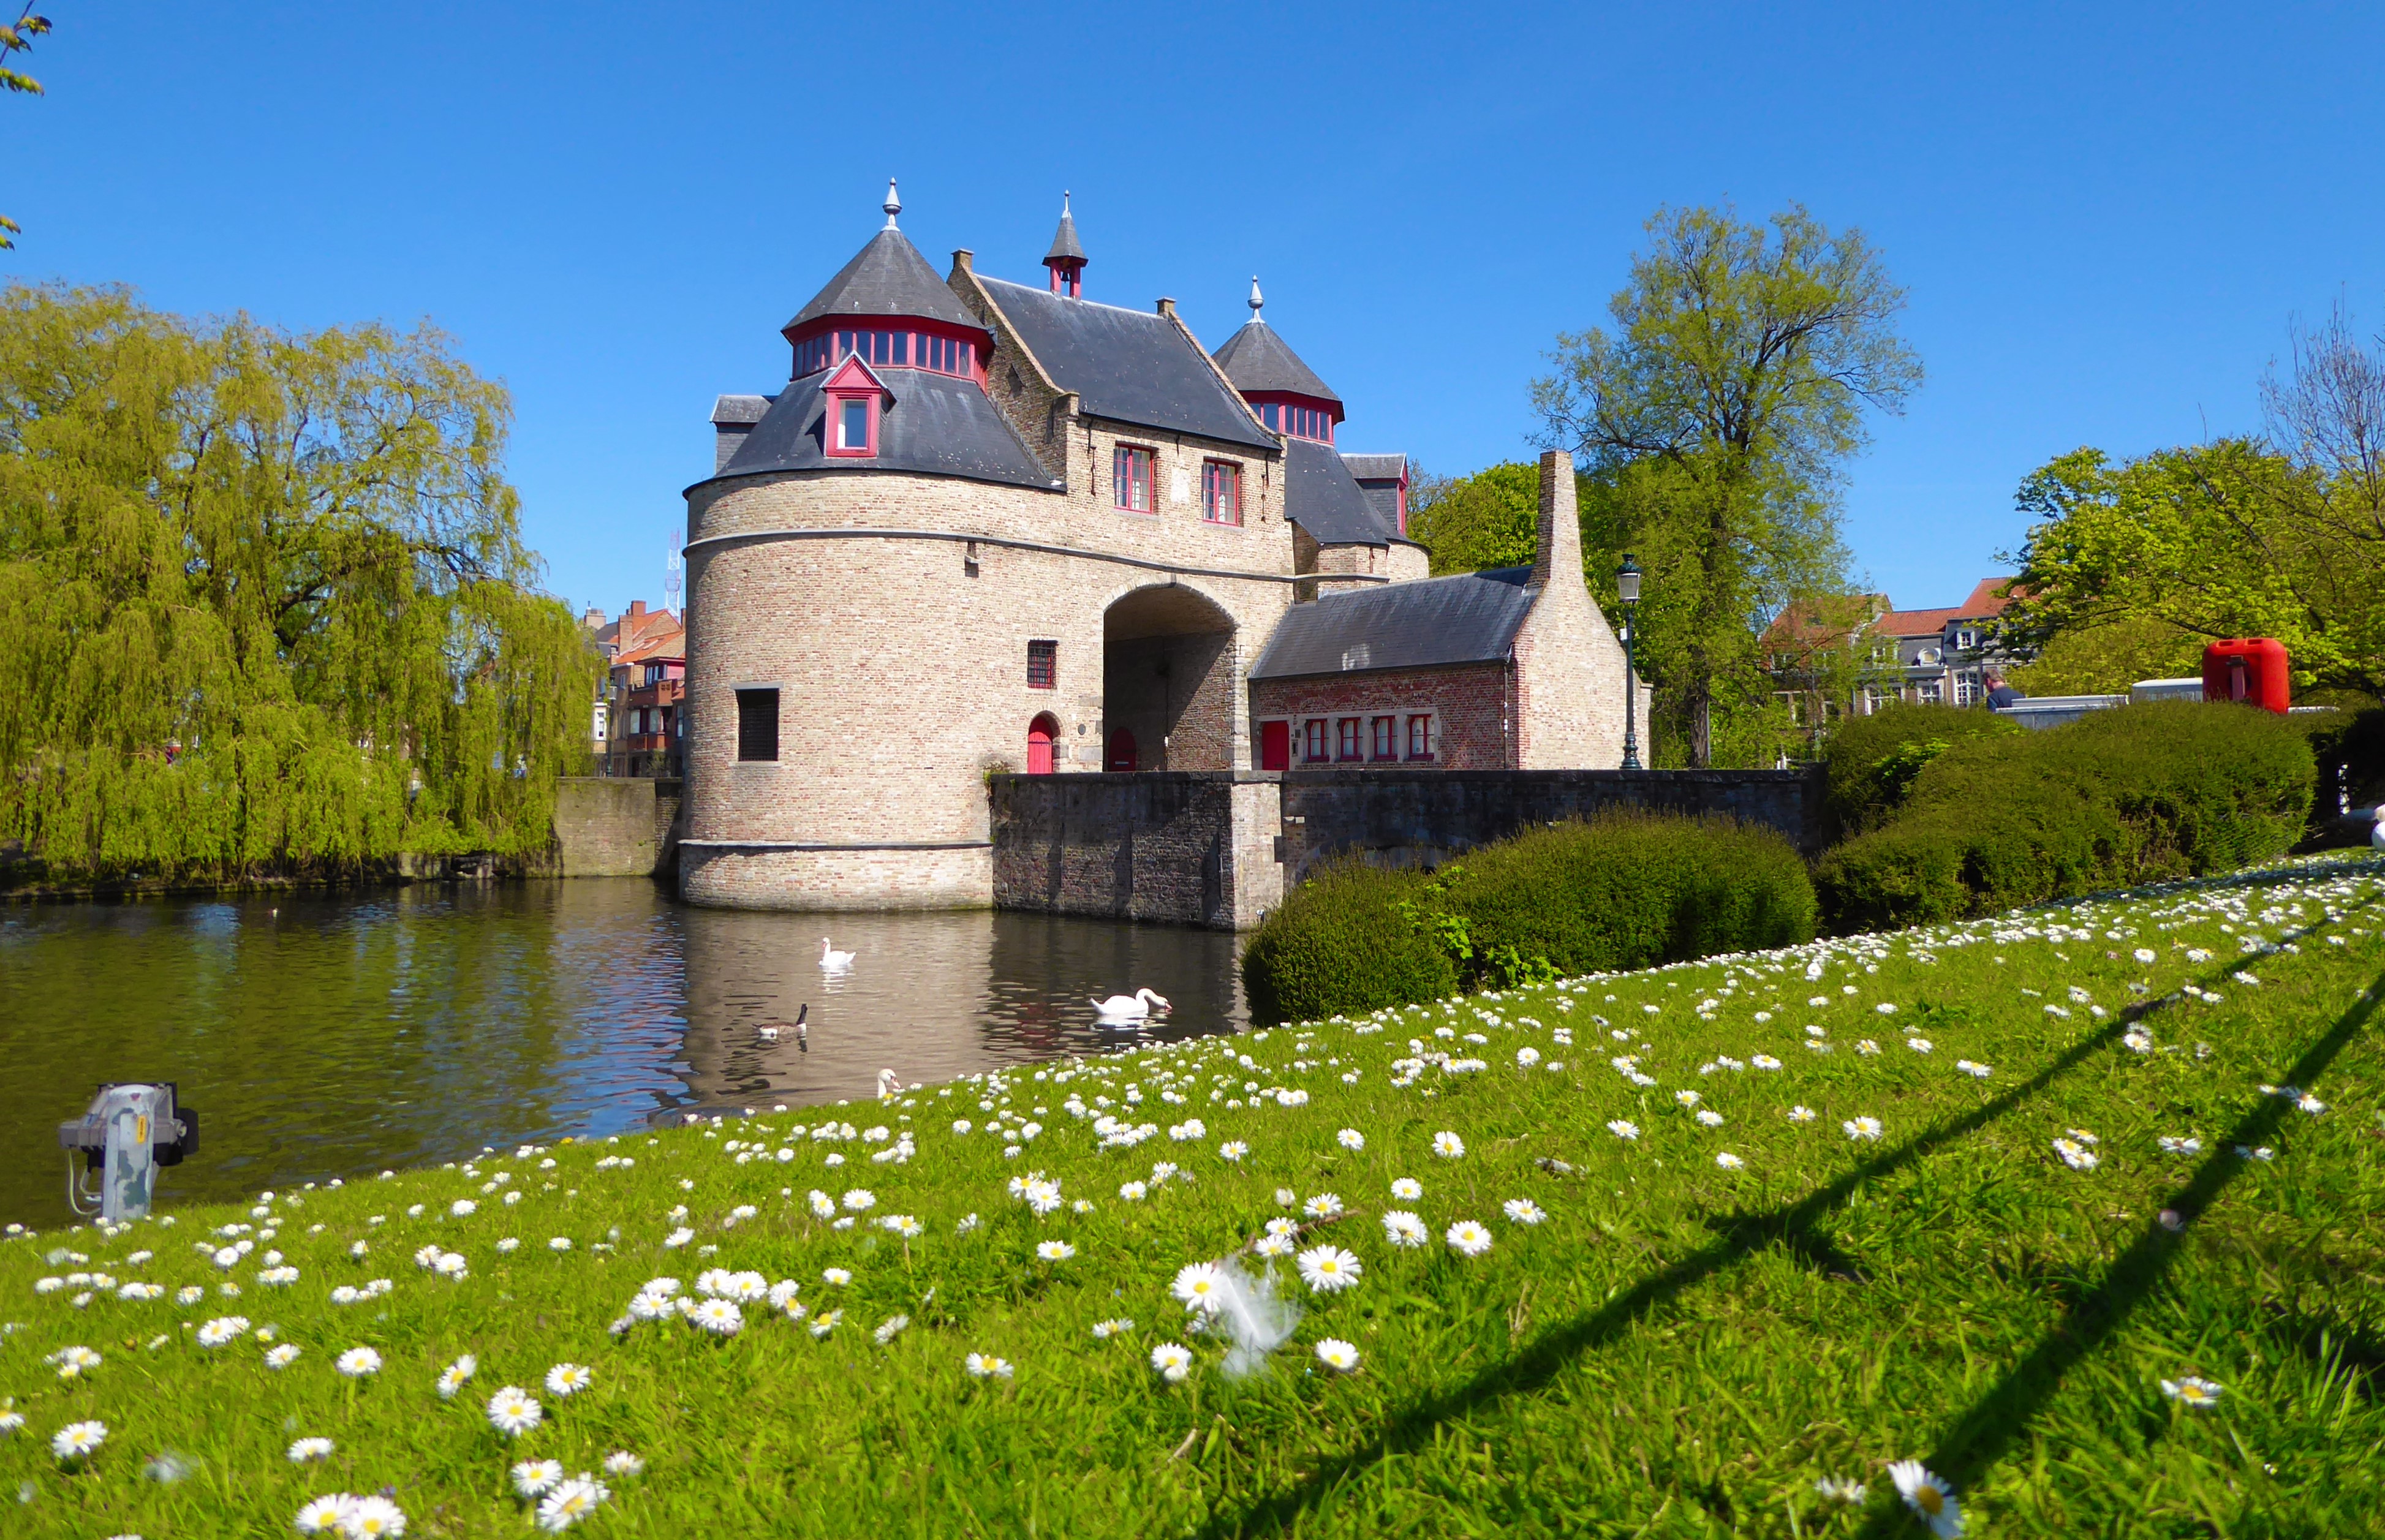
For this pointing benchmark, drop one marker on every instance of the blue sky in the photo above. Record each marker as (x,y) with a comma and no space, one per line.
(2107,216)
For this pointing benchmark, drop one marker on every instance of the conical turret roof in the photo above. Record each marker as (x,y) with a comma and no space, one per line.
(1065,247)
(1257,360)
(887,277)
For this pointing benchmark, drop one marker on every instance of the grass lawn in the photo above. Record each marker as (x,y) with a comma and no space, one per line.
(2117,1143)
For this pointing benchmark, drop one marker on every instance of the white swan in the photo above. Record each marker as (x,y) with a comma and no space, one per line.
(1131,1008)
(834,961)
(888,1083)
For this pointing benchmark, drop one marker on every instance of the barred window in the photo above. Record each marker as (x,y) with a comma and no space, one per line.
(1042,664)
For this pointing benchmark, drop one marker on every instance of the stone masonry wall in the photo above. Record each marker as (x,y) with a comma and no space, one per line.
(605,826)
(1570,666)
(1185,848)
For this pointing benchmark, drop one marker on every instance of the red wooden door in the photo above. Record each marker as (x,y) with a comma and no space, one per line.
(1121,751)
(1040,734)
(1275,745)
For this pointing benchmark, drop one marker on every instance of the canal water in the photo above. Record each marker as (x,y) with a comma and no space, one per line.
(335,1034)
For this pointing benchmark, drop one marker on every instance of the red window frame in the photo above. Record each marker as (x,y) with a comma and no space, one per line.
(1042,666)
(839,410)
(1314,749)
(1348,733)
(1126,459)
(1421,744)
(1385,732)
(1222,491)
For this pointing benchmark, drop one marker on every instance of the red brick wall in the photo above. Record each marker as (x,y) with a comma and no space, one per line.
(1473,706)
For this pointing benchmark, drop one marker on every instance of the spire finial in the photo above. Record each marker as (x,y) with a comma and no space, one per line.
(1064,203)
(894,205)
(1257,300)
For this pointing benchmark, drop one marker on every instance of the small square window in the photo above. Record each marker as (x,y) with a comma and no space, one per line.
(1386,737)
(1130,471)
(1349,735)
(852,425)
(757,723)
(1421,737)
(1042,666)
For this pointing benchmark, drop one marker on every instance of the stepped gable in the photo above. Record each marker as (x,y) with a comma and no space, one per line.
(1469,617)
(933,425)
(1322,497)
(1127,365)
(886,278)
(1258,360)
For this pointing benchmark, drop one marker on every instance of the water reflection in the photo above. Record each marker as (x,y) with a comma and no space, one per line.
(337,1035)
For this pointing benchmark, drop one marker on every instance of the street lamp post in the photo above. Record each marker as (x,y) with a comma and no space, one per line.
(1627,586)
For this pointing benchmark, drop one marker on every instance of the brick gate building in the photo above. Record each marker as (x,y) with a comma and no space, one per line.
(991,526)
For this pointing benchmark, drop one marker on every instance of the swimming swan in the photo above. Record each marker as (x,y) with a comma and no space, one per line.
(1131,1008)
(834,961)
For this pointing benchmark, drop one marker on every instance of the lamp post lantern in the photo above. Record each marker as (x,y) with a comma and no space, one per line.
(1627,587)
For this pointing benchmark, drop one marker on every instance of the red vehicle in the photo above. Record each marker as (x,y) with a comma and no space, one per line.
(2251,669)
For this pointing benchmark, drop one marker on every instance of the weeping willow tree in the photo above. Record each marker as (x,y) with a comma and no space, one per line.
(269,601)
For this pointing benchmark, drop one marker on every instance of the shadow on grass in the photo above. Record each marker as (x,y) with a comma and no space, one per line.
(1983,1433)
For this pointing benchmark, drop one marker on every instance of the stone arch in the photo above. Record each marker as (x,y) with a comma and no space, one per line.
(1168,677)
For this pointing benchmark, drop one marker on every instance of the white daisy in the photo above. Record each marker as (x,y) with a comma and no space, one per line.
(1173,1360)
(324,1515)
(719,1317)
(2194,1392)
(1623,1129)
(569,1378)
(986,1366)
(1709,1117)
(1199,1286)
(569,1503)
(453,1377)
(1467,1238)
(357,1362)
(1055,1251)
(1407,1189)
(1403,1228)
(1728,1162)
(622,1462)
(1448,1146)
(1523,1211)
(281,1357)
(513,1413)
(1862,1128)
(1325,1205)
(1338,1355)
(1931,1500)
(536,1478)
(77,1440)
(1350,1138)
(1104,1330)
(1329,1270)
(1801,1114)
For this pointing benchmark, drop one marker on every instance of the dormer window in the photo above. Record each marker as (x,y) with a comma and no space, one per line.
(1295,421)
(856,399)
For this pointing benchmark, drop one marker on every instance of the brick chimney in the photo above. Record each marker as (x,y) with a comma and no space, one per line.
(1556,548)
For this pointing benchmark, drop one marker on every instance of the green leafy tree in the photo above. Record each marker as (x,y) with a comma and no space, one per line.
(269,596)
(1486,519)
(2137,563)
(18,38)
(1717,420)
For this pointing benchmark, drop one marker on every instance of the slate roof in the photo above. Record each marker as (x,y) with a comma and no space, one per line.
(887,277)
(1257,359)
(938,425)
(1469,617)
(1063,241)
(1320,495)
(740,409)
(1376,468)
(1127,365)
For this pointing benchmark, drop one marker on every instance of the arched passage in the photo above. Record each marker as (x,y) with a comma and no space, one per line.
(1040,734)
(1167,666)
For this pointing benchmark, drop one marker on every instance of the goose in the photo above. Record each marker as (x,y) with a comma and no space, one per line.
(835,962)
(767,1032)
(1131,1008)
(888,1083)
(802,1033)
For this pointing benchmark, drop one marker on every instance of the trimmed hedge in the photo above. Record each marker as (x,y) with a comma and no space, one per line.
(2132,795)
(1623,891)
(1872,761)
(1345,941)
